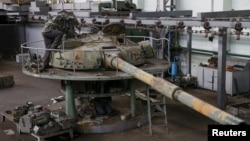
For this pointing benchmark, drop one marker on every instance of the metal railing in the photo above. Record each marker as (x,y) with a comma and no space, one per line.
(37,48)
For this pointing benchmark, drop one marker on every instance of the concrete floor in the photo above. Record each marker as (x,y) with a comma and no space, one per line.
(183,122)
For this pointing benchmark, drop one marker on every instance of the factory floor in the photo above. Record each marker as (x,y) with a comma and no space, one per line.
(183,122)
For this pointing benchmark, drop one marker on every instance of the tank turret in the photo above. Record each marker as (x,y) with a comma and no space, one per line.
(88,52)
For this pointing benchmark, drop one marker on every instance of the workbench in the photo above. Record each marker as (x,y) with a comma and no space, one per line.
(39,138)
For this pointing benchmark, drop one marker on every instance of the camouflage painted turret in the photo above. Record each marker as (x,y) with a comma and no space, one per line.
(88,52)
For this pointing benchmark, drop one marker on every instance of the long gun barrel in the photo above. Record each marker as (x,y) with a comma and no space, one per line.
(174,92)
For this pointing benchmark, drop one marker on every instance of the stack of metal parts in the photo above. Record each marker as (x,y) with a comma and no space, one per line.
(186,81)
(44,123)
(47,122)
(38,120)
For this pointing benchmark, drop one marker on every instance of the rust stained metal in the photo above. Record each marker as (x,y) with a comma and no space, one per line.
(157,83)
(164,87)
(174,92)
(202,107)
(207,109)
(126,67)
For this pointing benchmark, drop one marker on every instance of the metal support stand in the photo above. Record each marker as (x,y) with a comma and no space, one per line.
(171,5)
(157,47)
(189,49)
(221,92)
(151,107)
(132,97)
(169,46)
(70,101)
(149,112)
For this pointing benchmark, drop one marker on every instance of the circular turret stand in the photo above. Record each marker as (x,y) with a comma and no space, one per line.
(96,66)
(74,81)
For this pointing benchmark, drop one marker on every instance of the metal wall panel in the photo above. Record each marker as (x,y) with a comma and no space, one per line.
(149,5)
(11,36)
(240,4)
(34,34)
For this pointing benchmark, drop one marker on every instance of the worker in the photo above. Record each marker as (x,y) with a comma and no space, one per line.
(52,39)
(68,23)
(57,28)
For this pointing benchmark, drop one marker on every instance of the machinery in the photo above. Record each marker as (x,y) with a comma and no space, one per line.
(95,59)
(47,122)
(88,54)
(35,119)
(117,8)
